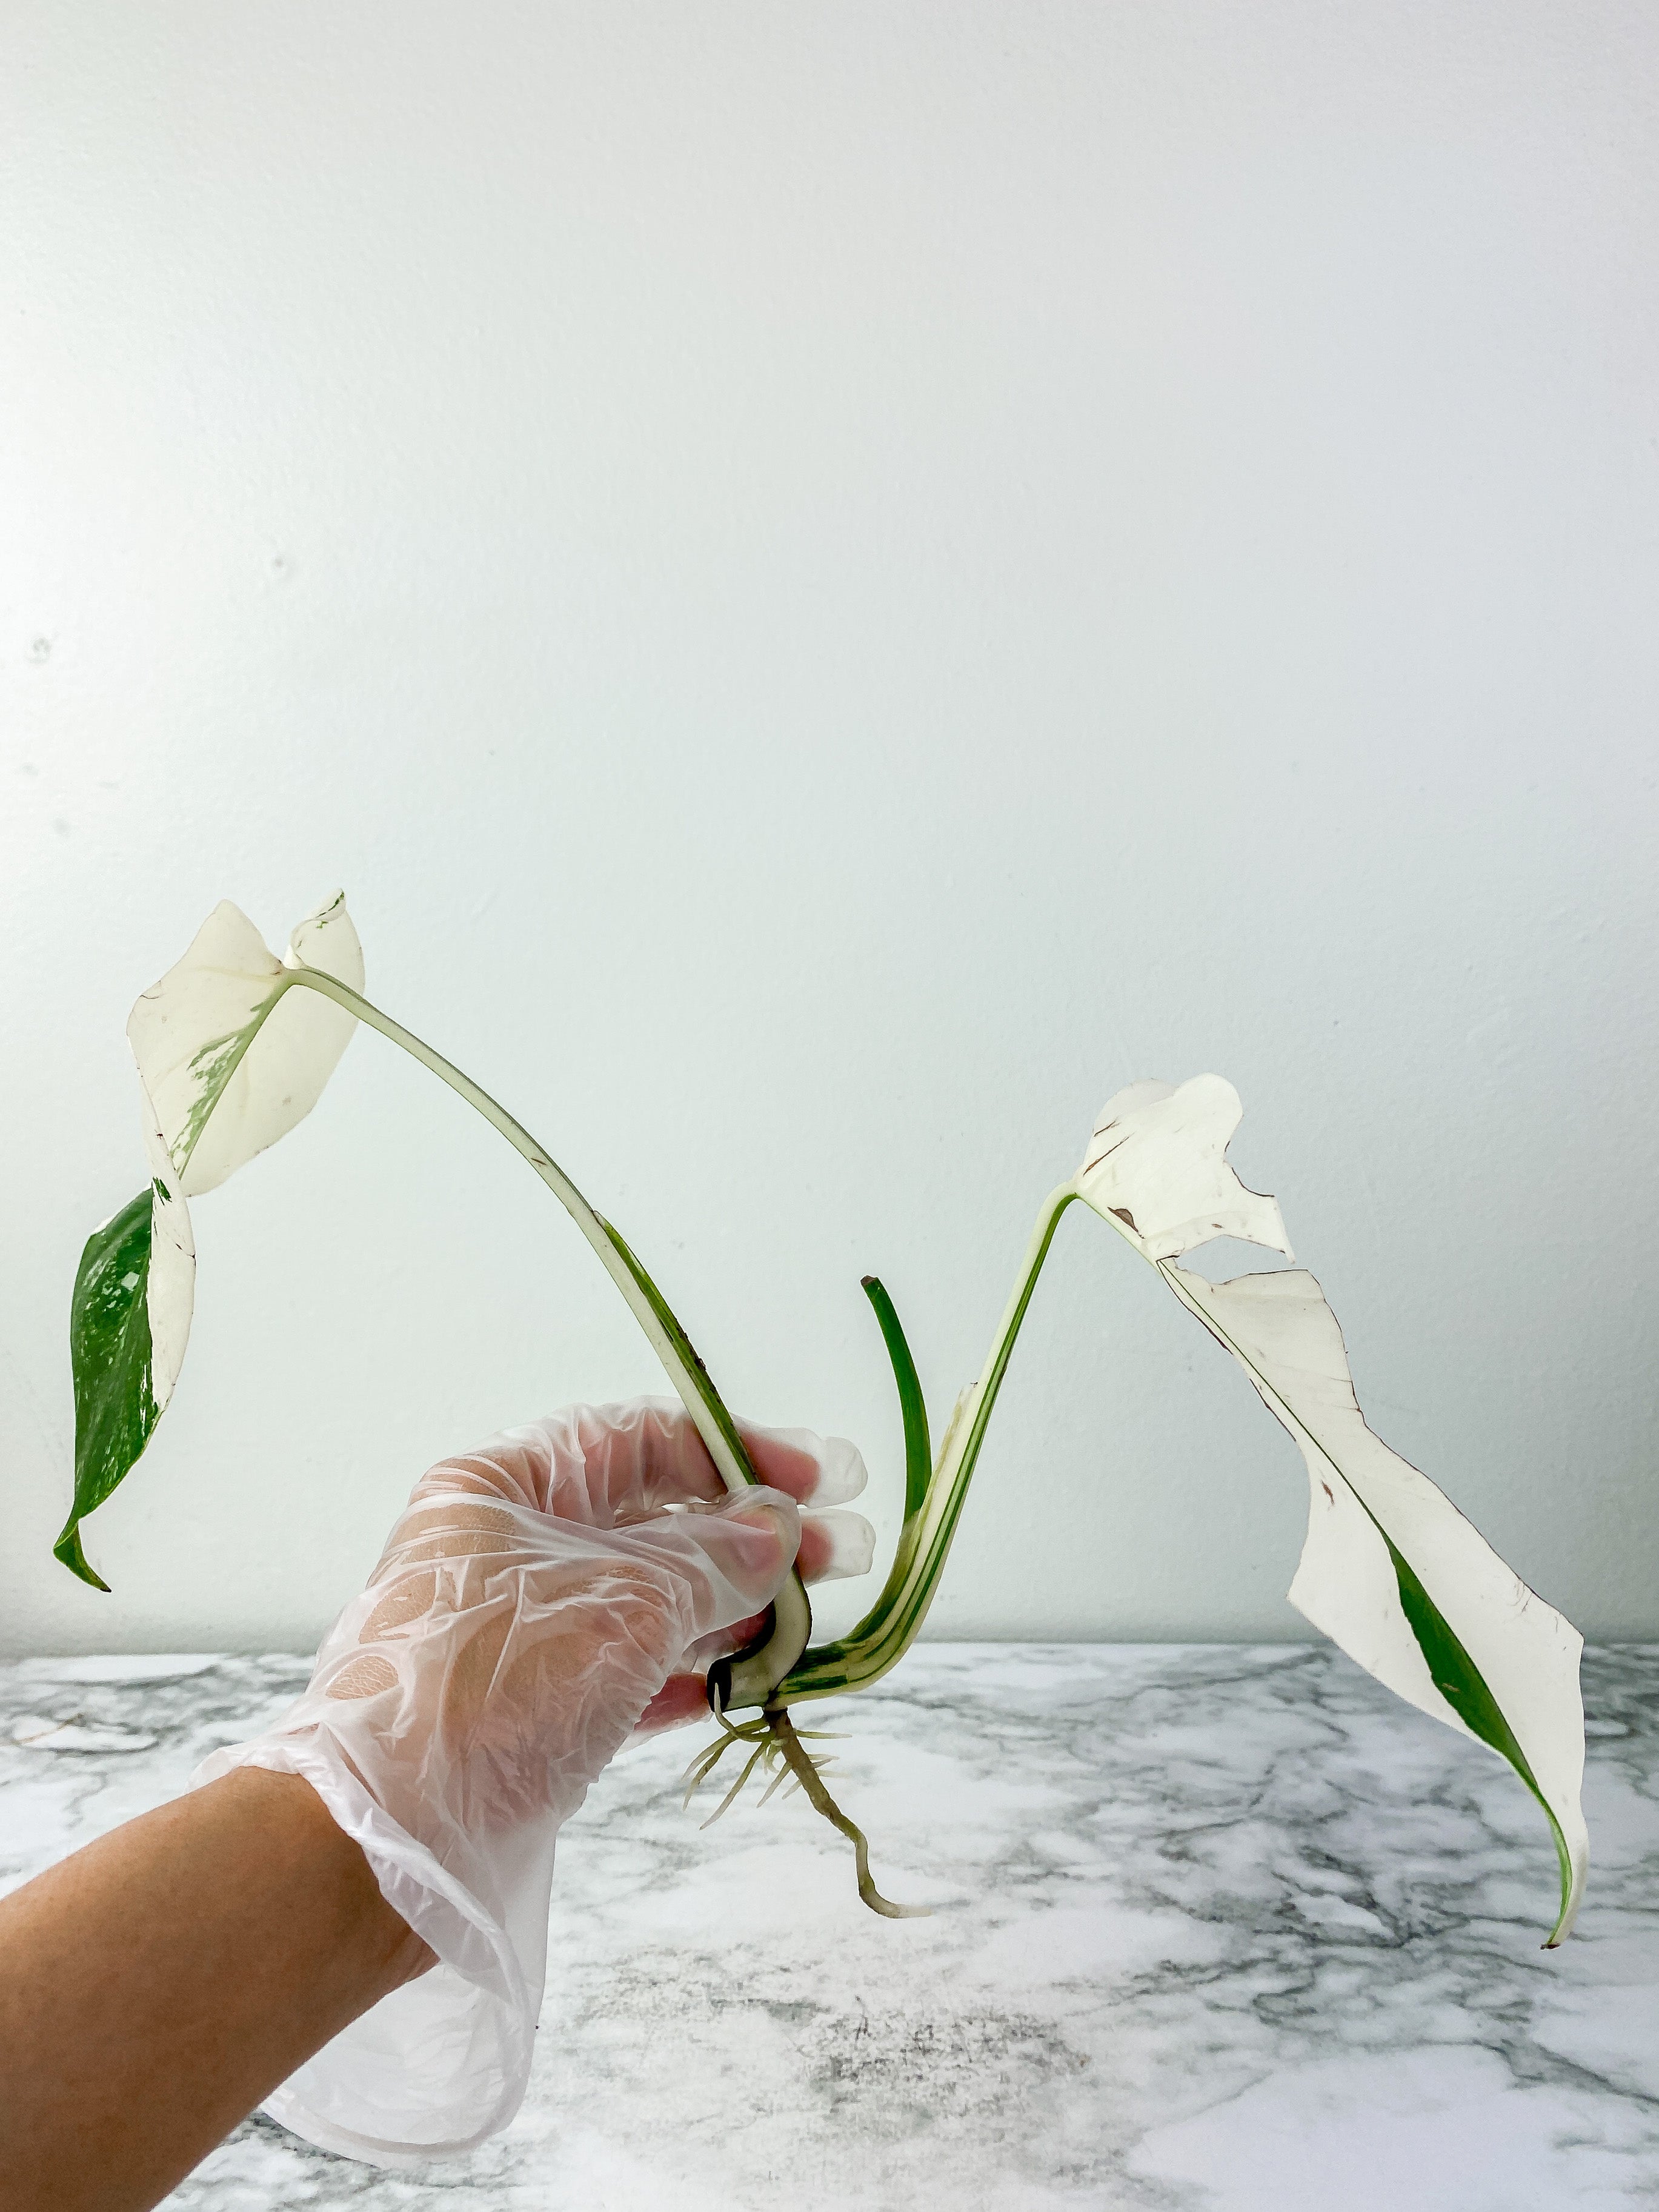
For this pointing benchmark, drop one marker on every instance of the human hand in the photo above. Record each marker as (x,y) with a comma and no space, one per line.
(641,1468)
(538,1600)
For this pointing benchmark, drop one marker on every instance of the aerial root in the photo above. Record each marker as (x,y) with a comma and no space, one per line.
(776,1746)
(766,1754)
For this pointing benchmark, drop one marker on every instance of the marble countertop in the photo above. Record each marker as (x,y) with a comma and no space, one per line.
(1217,1928)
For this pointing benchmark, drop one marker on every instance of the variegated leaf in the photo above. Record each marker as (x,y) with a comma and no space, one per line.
(1390,1569)
(229,1058)
(1156,1167)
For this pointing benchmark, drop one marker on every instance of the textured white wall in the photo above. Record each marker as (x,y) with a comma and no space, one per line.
(836,581)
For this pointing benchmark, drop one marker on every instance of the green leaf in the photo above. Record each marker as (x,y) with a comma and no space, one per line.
(115,1408)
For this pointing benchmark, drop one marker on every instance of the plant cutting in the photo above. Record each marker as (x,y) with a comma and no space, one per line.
(234,1047)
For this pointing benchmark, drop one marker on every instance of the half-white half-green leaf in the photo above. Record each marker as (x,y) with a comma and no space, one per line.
(229,1058)
(1390,1569)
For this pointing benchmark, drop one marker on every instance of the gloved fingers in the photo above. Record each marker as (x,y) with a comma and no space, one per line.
(832,1545)
(730,1557)
(599,1466)
(815,1470)
(528,1648)
(683,1699)
(638,1457)
(835,1545)
(437,1530)
(592,1465)
(724,1560)
(733,1553)
(613,1652)
(606,1465)
(457,1543)
(505,1700)
(518,1467)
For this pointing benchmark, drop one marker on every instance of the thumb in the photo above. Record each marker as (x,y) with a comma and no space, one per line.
(730,1559)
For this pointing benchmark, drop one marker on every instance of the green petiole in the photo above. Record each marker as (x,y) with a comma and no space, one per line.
(888,1630)
(779,1668)
(792,1611)
(1390,1568)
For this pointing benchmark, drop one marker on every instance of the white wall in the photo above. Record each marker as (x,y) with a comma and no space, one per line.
(836,581)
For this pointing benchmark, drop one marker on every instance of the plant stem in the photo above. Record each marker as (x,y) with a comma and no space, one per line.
(793,1616)
(887,1632)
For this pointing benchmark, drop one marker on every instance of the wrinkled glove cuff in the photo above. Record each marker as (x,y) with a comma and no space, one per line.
(440,2064)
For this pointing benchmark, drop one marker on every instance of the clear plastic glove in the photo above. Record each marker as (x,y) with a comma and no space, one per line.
(540,1600)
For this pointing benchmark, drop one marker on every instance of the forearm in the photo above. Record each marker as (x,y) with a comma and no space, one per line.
(156,1985)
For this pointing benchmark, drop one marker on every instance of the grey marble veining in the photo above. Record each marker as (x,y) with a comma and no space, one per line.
(1217,1929)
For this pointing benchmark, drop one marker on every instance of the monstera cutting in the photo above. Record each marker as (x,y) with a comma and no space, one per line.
(235,1045)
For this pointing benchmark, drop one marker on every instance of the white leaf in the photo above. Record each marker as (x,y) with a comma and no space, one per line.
(1390,1569)
(232,1059)
(1155,1166)
(1364,1499)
